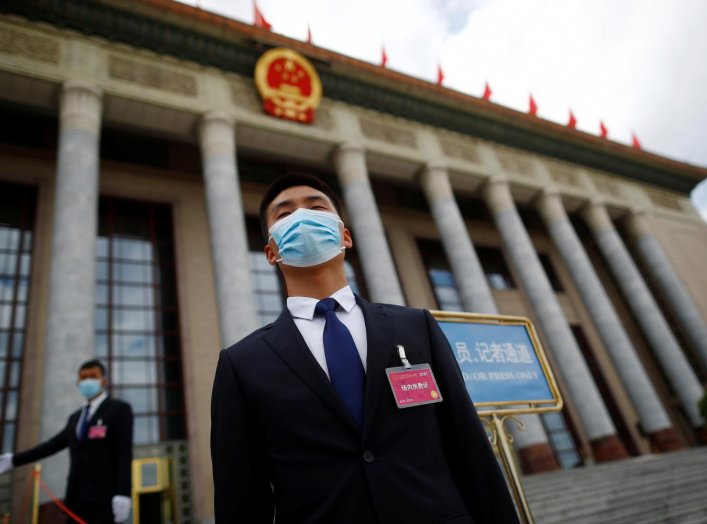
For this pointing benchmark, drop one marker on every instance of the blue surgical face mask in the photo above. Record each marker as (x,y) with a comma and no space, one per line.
(90,387)
(307,237)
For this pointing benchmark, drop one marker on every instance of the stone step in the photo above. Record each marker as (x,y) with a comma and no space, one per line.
(599,474)
(637,509)
(675,460)
(666,488)
(643,485)
(633,510)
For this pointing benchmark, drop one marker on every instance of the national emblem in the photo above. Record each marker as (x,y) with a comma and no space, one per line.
(289,85)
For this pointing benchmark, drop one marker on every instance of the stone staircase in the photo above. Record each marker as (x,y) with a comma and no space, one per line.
(664,488)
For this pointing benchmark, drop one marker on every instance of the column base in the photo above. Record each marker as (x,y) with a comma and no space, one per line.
(701,435)
(666,440)
(537,458)
(606,449)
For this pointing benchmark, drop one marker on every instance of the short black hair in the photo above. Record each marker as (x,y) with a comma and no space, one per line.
(287,181)
(94,363)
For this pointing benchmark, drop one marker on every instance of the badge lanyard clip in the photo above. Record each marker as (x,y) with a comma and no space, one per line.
(403,358)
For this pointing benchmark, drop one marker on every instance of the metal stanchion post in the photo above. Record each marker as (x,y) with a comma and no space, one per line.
(501,441)
(35,495)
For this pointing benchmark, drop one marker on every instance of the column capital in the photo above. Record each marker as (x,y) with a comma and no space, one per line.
(349,147)
(637,224)
(597,216)
(549,191)
(549,205)
(350,161)
(497,193)
(217,134)
(80,106)
(82,86)
(435,165)
(434,179)
(216,116)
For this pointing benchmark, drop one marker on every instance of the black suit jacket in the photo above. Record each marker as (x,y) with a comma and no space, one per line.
(100,467)
(283,443)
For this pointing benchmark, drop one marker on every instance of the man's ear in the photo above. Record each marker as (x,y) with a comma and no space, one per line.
(271,254)
(348,241)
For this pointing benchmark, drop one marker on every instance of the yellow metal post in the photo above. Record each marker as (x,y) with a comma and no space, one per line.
(502,442)
(35,494)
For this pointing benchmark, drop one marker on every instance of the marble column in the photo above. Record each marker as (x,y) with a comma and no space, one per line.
(532,444)
(70,310)
(468,273)
(646,311)
(671,286)
(552,323)
(653,416)
(229,241)
(368,234)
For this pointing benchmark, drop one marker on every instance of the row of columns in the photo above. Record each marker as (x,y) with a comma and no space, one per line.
(654,418)
(476,295)
(70,315)
(592,411)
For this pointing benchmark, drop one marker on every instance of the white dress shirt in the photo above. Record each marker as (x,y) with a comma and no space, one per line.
(312,328)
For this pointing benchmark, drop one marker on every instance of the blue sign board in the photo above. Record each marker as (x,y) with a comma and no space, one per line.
(499,362)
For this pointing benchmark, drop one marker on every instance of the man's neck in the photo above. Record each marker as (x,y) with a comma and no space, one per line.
(314,282)
(92,399)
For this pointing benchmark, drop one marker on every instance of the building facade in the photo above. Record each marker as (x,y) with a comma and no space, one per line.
(134,151)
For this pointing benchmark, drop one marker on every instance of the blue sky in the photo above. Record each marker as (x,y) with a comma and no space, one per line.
(638,65)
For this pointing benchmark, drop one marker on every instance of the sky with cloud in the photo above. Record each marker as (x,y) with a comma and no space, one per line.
(638,65)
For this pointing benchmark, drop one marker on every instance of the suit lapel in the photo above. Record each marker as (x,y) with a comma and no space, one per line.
(73,426)
(287,342)
(100,412)
(379,336)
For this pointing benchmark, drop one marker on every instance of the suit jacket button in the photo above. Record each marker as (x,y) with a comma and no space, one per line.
(368,456)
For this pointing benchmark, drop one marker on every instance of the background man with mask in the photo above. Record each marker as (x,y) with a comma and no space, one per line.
(100,441)
(305,427)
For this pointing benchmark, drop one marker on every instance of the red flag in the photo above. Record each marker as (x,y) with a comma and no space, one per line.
(440,75)
(309,35)
(634,141)
(487,92)
(533,109)
(573,121)
(603,131)
(384,57)
(259,19)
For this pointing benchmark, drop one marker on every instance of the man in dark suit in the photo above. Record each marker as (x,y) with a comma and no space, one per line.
(100,441)
(305,427)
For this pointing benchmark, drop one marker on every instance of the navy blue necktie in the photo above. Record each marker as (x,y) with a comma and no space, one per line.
(83,423)
(345,368)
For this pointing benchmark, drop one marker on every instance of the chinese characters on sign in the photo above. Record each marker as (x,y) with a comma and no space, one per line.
(494,352)
(498,362)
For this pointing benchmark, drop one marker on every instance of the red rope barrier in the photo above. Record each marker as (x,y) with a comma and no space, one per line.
(56,501)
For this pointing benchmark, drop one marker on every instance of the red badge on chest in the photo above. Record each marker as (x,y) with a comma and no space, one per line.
(95,432)
(413,386)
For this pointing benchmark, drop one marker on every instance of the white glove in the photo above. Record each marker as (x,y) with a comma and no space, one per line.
(121,507)
(5,462)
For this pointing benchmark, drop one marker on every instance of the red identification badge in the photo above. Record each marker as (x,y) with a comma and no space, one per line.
(412,385)
(97,432)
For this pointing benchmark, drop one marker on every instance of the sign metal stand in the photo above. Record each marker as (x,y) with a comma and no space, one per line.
(506,373)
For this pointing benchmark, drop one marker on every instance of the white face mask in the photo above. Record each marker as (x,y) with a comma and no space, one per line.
(307,237)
